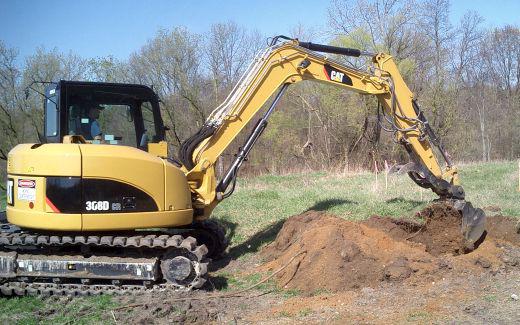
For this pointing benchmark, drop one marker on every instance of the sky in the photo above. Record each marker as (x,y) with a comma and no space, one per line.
(119,27)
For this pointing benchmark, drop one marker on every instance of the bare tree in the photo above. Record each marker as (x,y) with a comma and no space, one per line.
(229,49)
(436,26)
(48,66)
(108,69)
(389,23)
(469,35)
(9,76)
(466,79)
(504,45)
(171,63)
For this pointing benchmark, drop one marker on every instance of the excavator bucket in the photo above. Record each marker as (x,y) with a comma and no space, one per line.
(473,223)
(473,219)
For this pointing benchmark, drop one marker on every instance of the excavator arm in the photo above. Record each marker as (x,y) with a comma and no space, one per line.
(289,62)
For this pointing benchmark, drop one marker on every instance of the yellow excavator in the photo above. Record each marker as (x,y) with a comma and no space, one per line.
(101,206)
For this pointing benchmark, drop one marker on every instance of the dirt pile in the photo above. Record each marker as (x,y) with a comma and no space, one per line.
(343,255)
(440,233)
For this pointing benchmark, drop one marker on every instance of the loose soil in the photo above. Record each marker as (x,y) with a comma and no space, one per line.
(380,270)
(341,255)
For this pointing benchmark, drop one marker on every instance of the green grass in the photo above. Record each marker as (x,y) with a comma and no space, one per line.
(225,281)
(493,184)
(20,310)
(418,317)
(304,312)
(33,310)
(490,298)
(255,213)
(320,291)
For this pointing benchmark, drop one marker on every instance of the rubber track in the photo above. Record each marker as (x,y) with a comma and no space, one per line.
(13,288)
(219,233)
(150,241)
(143,241)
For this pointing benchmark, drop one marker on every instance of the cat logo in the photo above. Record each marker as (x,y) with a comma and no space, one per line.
(336,76)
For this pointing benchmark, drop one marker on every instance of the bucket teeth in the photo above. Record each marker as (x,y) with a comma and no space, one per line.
(473,222)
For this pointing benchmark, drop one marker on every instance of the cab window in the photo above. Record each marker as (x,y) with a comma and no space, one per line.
(108,123)
(51,114)
(148,121)
(111,114)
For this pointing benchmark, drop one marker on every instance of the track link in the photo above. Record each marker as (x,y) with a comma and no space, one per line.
(163,245)
(16,288)
(148,241)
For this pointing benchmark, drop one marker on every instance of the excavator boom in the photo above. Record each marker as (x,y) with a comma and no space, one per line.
(292,61)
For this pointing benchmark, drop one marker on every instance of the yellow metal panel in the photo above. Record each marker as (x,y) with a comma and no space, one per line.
(137,220)
(404,96)
(125,164)
(38,219)
(51,159)
(176,189)
(159,149)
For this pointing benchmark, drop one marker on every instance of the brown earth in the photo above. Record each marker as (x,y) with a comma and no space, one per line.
(339,255)
(378,271)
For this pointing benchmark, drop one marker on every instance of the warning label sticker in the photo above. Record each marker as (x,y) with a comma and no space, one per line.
(26,190)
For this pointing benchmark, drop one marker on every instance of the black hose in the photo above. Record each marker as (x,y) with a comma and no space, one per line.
(330,49)
(275,39)
(188,147)
(233,184)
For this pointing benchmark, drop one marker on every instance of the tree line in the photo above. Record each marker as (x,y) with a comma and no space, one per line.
(464,75)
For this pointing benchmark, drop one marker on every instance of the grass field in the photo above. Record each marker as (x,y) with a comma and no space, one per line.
(256,211)
(265,201)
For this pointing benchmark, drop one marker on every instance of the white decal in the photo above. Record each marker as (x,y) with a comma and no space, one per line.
(26,190)
(10,194)
(336,76)
(97,205)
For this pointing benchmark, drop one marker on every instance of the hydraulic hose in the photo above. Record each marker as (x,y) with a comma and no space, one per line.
(331,49)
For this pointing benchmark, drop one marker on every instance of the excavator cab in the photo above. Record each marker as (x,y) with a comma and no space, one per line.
(109,113)
(102,165)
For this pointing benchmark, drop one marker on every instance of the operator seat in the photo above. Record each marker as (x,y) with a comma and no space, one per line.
(77,122)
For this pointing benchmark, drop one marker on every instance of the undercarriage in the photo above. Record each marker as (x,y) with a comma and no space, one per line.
(37,263)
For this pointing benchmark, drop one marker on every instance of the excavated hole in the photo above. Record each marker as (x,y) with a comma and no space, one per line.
(345,255)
